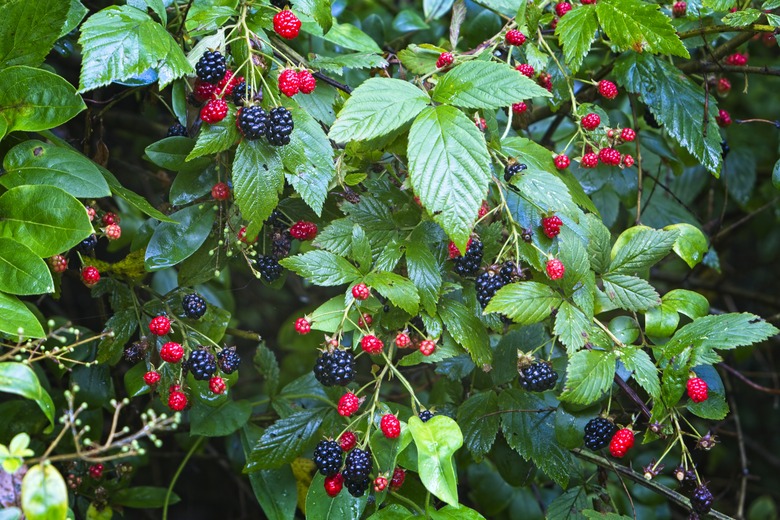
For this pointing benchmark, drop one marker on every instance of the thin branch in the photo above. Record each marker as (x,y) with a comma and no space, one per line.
(752,28)
(716,67)
(747,381)
(744,219)
(633,396)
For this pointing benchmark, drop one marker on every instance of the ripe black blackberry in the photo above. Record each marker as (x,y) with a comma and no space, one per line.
(335,368)
(357,488)
(527,235)
(279,127)
(252,122)
(513,169)
(538,377)
(211,67)
(194,306)
(701,500)
(228,360)
(202,364)
(274,219)
(281,243)
(177,129)
(242,94)
(598,433)
(489,282)
(468,264)
(88,245)
(136,351)
(357,465)
(327,457)
(426,415)
(281,4)
(269,268)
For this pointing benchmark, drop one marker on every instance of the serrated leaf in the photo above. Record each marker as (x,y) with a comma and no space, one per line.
(545,190)
(479,419)
(722,332)
(322,268)
(640,247)
(645,373)
(569,504)
(122,42)
(630,292)
(424,272)
(352,61)
(525,302)
(589,374)
(467,330)
(258,179)
(636,25)
(284,440)
(216,137)
(28,30)
(420,59)
(22,272)
(319,10)
(336,237)
(528,423)
(742,17)
(376,108)
(399,290)
(575,34)
(598,243)
(485,84)
(437,441)
(346,35)
(571,327)
(676,102)
(449,167)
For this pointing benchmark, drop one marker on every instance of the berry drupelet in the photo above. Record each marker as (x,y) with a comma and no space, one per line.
(280,126)
(425,415)
(327,457)
(202,364)
(468,264)
(538,377)
(252,122)
(194,306)
(598,433)
(177,130)
(269,268)
(336,368)
(228,360)
(211,67)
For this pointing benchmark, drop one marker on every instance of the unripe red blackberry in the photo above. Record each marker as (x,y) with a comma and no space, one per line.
(286,24)
(552,225)
(445,60)
(627,135)
(217,385)
(58,263)
(348,404)
(228,83)
(399,475)
(555,269)
(160,325)
(610,156)
(334,485)
(589,160)
(371,344)
(515,37)
(519,108)
(561,8)
(303,230)
(628,160)
(591,121)
(697,389)
(402,340)
(737,59)
(427,347)
(220,191)
(361,291)
(289,83)
(679,9)
(562,161)
(526,70)
(302,326)
(724,86)
(171,352)
(306,81)
(723,119)
(151,378)
(177,400)
(621,442)
(608,89)
(347,441)
(390,426)
(214,111)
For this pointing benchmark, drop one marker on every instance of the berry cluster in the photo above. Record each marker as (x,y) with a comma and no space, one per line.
(328,457)
(468,264)
(336,367)
(292,81)
(444,60)
(621,442)
(538,377)
(489,282)
(598,433)
(202,364)
(303,230)
(357,467)
(552,226)
(194,306)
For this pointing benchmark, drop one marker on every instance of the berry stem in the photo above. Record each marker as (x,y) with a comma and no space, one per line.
(402,379)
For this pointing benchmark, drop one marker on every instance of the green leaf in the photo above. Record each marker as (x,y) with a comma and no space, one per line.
(459,512)
(22,272)
(44,493)
(675,102)
(309,160)
(629,292)
(434,9)
(19,379)
(36,162)
(376,108)
(588,375)
(258,179)
(640,247)
(449,167)
(275,489)
(598,515)
(689,303)
(171,153)
(44,218)
(742,17)
(437,441)
(407,20)
(28,30)
(420,59)
(345,35)
(123,325)
(467,330)
(715,408)
(571,327)
(528,423)
(424,272)
(723,332)
(545,191)
(16,317)
(399,290)
(485,84)
(525,302)
(567,506)
(479,417)
(34,99)
(319,10)
(173,242)
(132,198)
(122,42)
(636,25)
(575,34)
(284,440)
(598,243)
(221,420)
(645,373)
(391,512)
(343,507)
(216,137)
(143,497)
(691,244)
(322,268)
(352,61)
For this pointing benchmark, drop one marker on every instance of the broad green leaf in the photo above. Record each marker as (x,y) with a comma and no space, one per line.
(675,102)
(434,9)
(598,243)
(420,59)
(588,375)
(391,512)
(17,317)
(284,440)
(636,25)
(171,153)
(485,84)
(22,272)
(459,512)
(44,493)
(173,242)
(571,327)
(567,506)
(346,35)
(645,373)
(689,303)
(639,248)
(528,423)
(343,507)
(598,515)
(336,237)
(715,408)
(44,218)
(319,10)
(575,33)
(123,324)
(742,17)
(545,191)
(399,290)
(437,441)
(467,330)
(258,178)
(776,175)
(629,292)
(351,61)
(722,332)
(219,421)
(376,108)
(691,244)
(525,302)
(424,272)
(322,268)
(407,20)
(216,137)
(19,379)
(132,198)
(479,417)
(449,167)
(28,30)
(35,99)
(122,42)
(76,14)
(36,162)
(143,497)
(508,8)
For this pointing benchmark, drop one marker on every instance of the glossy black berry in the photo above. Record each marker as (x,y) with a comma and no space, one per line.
(538,377)
(194,306)
(88,244)
(357,465)
(513,169)
(243,95)
(489,282)
(426,415)
(327,457)
(228,360)
(202,364)
(281,242)
(701,500)
(527,235)
(335,368)
(468,264)
(280,127)
(211,67)
(357,488)
(281,4)
(136,351)
(177,129)
(598,433)
(269,268)
(252,122)
(725,149)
